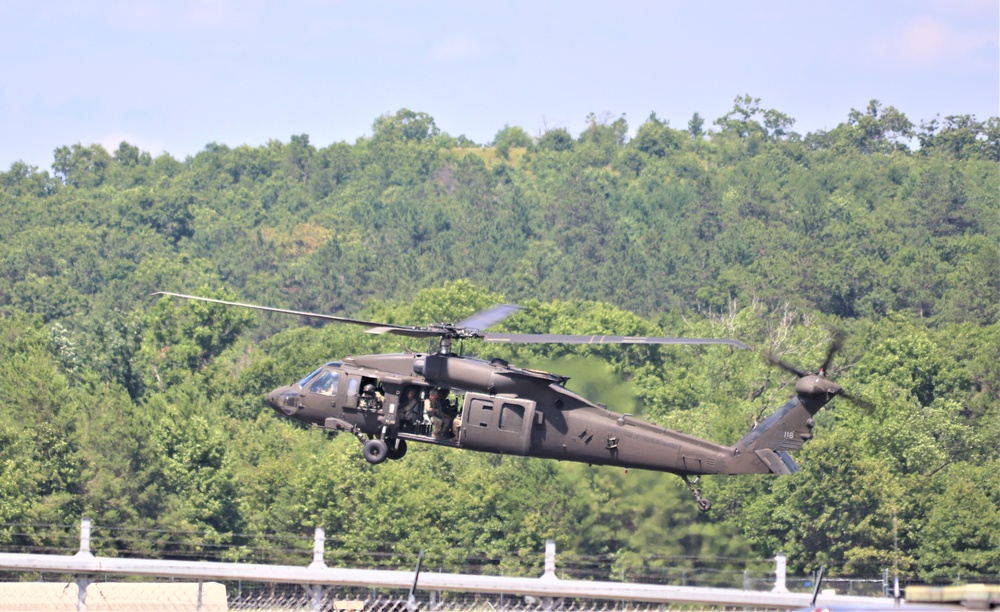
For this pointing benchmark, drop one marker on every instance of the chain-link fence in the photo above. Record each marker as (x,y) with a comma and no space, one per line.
(24,590)
(114,596)
(296,549)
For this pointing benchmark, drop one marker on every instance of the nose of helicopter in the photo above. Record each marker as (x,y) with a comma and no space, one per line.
(274,398)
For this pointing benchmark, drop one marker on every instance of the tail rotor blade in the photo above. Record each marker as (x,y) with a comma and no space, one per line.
(784,365)
(858,401)
(835,346)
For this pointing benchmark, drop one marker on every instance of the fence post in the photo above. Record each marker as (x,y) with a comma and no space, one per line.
(319,543)
(550,603)
(82,582)
(84,538)
(317,592)
(550,560)
(780,571)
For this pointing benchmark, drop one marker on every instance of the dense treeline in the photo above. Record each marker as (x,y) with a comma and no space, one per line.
(147,414)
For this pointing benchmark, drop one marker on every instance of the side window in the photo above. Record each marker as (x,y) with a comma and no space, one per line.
(481,412)
(511,417)
(352,387)
(325,383)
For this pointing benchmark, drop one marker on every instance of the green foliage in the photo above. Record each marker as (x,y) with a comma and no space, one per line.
(405,125)
(961,137)
(655,138)
(81,166)
(149,413)
(837,511)
(510,137)
(877,130)
(558,139)
(184,338)
(695,125)
(601,140)
(749,121)
(962,532)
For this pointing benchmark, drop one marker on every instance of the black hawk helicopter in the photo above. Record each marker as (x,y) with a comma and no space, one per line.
(518,411)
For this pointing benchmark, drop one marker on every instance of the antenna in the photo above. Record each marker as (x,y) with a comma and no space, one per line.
(411,601)
(819,581)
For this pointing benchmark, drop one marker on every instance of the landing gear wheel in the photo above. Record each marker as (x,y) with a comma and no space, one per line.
(398,451)
(375,451)
(692,485)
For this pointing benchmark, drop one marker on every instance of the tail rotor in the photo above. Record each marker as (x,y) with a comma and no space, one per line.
(768,446)
(816,383)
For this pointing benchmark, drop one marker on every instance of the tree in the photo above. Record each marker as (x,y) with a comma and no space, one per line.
(24,180)
(558,139)
(405,125)
(745,119)
(181,339)
(129,156)
(695,125)
(877,130)
(510,137)
(81,166)
(962,533)
(655,138)
(961,137)
(50,296)
(602,139)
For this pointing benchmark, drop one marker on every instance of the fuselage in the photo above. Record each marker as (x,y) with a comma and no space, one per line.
(503,409)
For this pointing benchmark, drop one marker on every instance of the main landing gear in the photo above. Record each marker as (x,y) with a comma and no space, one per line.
(376,451)
(703,504)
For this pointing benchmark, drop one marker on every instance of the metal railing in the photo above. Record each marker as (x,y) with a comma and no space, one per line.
(99,582)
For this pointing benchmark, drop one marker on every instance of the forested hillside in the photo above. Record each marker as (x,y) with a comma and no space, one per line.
(149,416)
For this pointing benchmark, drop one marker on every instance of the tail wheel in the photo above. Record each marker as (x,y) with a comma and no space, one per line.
(397,450)
(692,485)
(375,451)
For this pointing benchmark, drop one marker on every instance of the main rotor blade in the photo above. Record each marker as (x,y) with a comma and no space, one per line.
(412,332)
(325,317)
(567,339)
(784,365)
(486,318)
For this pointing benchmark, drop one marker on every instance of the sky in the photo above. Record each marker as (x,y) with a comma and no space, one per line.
(175,75)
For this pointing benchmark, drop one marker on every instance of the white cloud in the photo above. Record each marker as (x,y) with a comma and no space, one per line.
(926,42)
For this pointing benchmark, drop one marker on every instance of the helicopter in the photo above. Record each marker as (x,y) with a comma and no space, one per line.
(511,410)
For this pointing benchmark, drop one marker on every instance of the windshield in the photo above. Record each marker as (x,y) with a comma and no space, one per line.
(325,383)
(302,383)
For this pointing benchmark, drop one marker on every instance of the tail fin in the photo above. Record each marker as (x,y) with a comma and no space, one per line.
(766,448)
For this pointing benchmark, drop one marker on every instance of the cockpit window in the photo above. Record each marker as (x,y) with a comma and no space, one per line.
(304,381)
(325,383)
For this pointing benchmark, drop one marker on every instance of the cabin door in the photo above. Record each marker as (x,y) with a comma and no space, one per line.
(497,424)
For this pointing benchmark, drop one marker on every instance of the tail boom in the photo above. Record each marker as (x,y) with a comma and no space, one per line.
(765,450)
